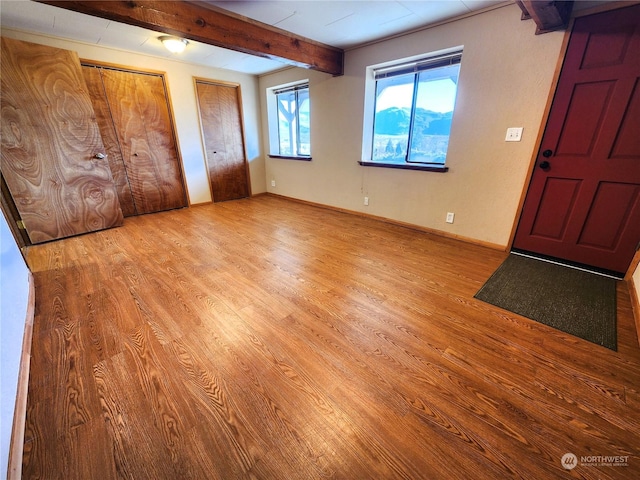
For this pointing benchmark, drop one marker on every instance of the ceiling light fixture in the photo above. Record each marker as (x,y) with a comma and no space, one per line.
(173,44)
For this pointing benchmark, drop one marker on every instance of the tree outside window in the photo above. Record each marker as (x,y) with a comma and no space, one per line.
(293,121)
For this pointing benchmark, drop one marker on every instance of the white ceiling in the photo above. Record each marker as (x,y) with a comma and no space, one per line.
(343,24)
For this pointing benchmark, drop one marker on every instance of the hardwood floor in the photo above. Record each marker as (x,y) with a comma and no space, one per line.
(269,339)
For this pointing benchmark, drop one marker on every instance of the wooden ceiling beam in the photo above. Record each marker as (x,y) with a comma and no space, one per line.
(548,15)
(201,22)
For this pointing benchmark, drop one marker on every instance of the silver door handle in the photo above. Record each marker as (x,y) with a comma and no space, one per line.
(100,156)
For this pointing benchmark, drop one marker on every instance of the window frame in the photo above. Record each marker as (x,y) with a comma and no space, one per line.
(406,66)
(274,120)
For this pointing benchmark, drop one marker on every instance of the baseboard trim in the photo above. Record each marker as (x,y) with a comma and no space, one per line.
(633,292)
(635,304)
(412,226)
(16,448)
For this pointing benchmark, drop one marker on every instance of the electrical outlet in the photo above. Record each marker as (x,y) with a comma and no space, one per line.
(450,216)
(514,134)
(366,200)
(273,183)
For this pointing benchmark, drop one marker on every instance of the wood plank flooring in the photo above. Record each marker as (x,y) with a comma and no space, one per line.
(268,339)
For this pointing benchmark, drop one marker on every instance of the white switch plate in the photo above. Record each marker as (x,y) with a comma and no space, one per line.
(514,134)
(273,183)
(450,216)
(366,200)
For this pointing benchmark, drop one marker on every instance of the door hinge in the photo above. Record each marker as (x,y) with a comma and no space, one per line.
(21,225)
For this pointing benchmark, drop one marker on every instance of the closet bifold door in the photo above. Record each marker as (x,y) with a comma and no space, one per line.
(132,108)
(53,158)
(219,105)
(98,97)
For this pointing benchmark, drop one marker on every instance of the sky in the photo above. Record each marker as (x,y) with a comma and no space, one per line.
(437,91)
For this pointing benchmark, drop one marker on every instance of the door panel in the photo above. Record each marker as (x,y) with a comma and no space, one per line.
(140,114)
(583,201)
(613,205)
(222,132)
(627,144)
(606,45)
(49,144)
(585,114)
(93,78)
(558,199)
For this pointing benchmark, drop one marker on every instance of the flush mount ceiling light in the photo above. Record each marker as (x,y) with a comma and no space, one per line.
(173,44)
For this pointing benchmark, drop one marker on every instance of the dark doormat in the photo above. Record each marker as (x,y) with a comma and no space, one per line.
(577,302)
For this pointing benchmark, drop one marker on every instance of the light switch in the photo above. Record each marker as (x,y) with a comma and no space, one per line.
(514,134)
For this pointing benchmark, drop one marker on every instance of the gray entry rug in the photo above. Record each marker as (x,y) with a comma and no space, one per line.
(577,302)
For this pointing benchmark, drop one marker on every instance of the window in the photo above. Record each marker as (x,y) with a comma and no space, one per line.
(414,105)
(292,113)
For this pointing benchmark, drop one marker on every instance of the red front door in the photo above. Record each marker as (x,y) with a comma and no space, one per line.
(583,203)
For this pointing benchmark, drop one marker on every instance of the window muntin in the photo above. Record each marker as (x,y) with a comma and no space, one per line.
(413,111)
(293,107)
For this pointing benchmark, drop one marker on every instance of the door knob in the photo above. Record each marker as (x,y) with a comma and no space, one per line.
(100,156)
(547,153)
(544,165)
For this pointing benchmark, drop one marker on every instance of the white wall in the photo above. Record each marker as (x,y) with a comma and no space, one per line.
(14,296)
(179,77)
(506,76)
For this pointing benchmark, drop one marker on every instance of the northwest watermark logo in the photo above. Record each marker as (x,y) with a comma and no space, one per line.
(569,461)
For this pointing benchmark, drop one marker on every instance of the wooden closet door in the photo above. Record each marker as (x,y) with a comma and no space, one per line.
(51,144)
(221,122)
(140,115)
(93,77)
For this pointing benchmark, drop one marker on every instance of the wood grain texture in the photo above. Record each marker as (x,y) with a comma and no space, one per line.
(221,122)
(16,447)
(209,24)
(49,142)
(264,338)
(140,114)
(93,77)
(548,16)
